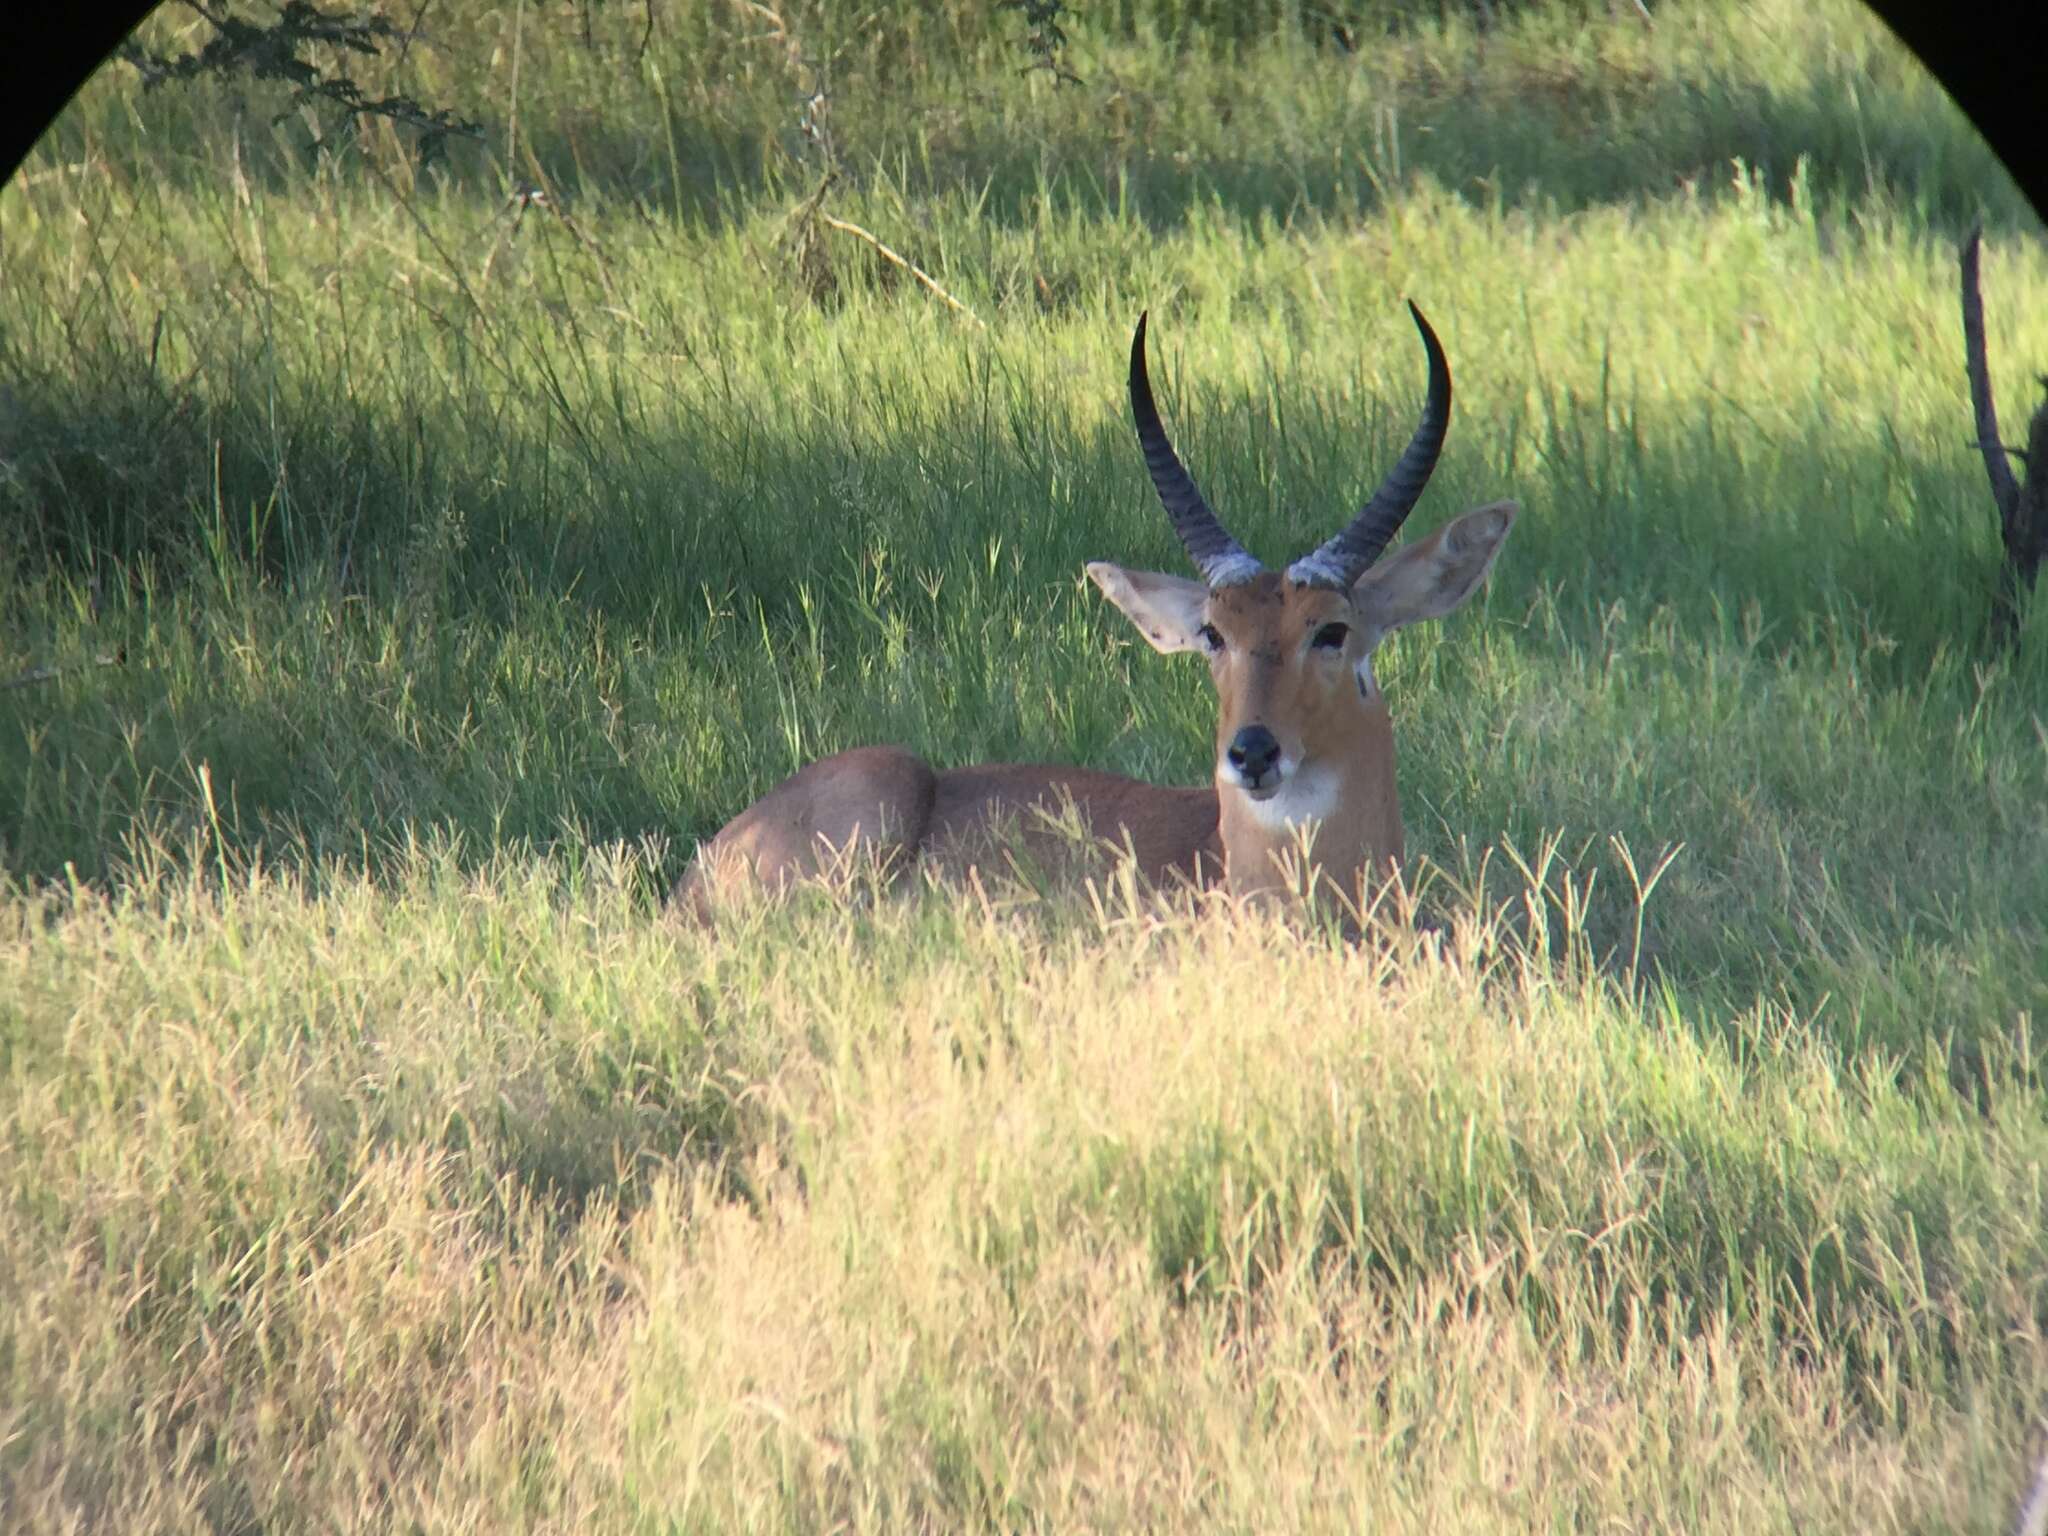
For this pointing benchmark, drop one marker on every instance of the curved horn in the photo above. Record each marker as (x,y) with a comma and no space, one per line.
(1344,559)
(1221,560)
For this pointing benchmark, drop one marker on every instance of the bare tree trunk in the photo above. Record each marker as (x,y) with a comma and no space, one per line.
(2022,509)
(2026,536)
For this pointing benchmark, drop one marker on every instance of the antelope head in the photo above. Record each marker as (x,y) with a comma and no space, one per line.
(1304,745)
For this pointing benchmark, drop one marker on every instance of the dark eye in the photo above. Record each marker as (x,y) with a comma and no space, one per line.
(1331,637)
(1212,637)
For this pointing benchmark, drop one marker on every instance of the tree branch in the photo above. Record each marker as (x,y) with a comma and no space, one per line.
(2005,489)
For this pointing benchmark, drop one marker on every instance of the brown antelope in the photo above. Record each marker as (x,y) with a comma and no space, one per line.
(1304,746)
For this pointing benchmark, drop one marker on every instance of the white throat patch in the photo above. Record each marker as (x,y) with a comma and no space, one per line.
(1308,794)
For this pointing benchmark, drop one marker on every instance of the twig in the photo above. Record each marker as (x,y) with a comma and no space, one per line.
(907,265)
(778,32)
(2018,453)
(46,674)
(808,208)
(537,197)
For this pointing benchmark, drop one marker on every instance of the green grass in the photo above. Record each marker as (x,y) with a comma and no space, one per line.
(371,1154)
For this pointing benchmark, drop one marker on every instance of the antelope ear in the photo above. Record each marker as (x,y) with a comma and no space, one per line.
(1430,578)
(1167,609)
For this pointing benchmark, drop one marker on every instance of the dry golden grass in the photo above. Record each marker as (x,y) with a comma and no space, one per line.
(480,1201)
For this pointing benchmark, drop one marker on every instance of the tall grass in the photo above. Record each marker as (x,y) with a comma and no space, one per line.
(425,576)
(470,1197)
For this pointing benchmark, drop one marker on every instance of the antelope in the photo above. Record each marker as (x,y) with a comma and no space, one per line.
(1304,743)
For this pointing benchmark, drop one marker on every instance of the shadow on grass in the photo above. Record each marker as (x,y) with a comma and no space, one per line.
(1288,132)
(1776,662)
(1731,1225)
(1800,536)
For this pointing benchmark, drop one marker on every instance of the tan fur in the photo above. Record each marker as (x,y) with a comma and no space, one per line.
(1334,733)
(888,804)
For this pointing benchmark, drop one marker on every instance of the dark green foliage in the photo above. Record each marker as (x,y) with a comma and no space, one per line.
(297,48)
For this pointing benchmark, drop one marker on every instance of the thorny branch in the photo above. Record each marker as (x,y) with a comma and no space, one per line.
(1046,40)
(278,51)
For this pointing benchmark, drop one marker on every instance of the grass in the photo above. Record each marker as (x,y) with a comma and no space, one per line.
(371,1155)
(471,1197)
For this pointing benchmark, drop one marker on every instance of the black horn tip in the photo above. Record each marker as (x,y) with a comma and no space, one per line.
(1430,344)
(1142,406)
(1343,559)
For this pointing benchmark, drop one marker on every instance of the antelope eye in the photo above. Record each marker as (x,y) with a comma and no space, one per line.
(1331,637)
(1211,636)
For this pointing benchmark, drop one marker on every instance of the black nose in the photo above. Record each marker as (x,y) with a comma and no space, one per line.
(1253,752)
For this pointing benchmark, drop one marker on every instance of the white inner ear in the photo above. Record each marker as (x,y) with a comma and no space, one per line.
(1368,682)
(1168,610)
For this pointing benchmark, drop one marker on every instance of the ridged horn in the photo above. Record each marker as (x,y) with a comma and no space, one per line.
(1220,559)
(1345,558)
